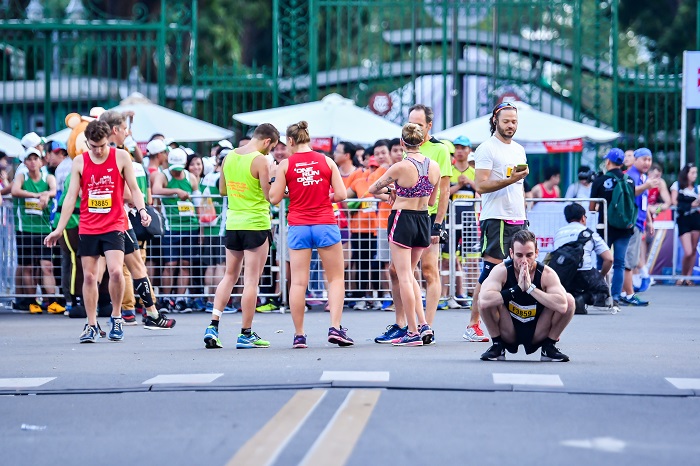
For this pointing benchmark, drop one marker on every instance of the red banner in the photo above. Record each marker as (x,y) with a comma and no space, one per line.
(557,147)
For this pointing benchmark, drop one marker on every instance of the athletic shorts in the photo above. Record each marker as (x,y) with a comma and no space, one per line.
(131,244)
(688,223)
(31,249)
(312,236)
(409,228)
(245,240)
(524,334)
(180,245)
(213,251)
(96,245)
(634,249)
(497,236)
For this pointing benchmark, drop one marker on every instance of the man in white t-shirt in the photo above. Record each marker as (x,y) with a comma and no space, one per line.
(501,167)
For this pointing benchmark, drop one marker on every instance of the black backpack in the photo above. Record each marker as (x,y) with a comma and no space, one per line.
(567,259)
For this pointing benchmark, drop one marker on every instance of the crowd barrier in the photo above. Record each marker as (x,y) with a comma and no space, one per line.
(189,261)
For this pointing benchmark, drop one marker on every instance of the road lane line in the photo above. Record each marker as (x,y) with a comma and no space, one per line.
(338,439)
(267,444)
(546,380)
(691,384)
(355,376)
(182,378)
(25,382)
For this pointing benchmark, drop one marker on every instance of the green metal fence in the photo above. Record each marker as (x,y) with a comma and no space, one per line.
(568,58)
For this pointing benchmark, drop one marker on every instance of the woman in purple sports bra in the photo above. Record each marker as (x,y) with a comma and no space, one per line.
(415,178)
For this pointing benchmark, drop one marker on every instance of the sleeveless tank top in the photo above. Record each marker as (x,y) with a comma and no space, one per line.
(547,194)
(102,209)
(523,307)
(31,218)
(247,207)
(179,215)
(309,182)
(423,187)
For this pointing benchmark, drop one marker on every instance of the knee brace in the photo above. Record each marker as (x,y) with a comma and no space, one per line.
(143,289)
(488,267)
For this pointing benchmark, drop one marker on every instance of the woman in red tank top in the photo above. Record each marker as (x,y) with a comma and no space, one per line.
(102,186)
(309,176)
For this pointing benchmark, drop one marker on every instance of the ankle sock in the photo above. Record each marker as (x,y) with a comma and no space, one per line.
(214,323)
(246,331)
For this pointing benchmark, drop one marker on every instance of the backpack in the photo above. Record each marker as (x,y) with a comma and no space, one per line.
(567,259)
(622,211)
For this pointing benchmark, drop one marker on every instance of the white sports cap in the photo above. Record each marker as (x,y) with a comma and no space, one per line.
(156,147)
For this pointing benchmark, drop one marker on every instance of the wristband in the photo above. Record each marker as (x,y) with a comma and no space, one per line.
(144,209)
(388,190)
(272,180)
(531,288)
(507,294)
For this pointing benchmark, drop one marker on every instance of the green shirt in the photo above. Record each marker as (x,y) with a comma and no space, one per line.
(247,207)
(464,192)
(74,218)
(141,179)
(30,217)
(210,187)
(437,151)
(179,215)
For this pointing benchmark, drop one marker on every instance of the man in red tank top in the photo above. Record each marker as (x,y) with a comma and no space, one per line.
(100,175)
(549,189)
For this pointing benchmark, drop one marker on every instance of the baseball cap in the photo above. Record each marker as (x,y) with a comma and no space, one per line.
(372,162)
(31,140)
(223,154)
(177,158)
(616,156)
(56,146)
(225,143)
(470,157)
(168,141)
(156,147)
(449,145)
(30,151)
(462,141)
(642,152)
(188,151)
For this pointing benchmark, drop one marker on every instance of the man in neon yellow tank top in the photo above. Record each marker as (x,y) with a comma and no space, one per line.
(245,180)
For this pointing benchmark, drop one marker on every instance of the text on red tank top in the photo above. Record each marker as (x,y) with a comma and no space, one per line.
(309,181)
(102,209)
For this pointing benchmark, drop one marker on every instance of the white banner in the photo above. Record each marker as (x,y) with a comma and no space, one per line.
(691,70)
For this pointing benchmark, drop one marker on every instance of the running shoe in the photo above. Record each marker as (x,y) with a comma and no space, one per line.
(299,341)
(410,339)
(55,308)
(644,285)
(129,316)
(427,334)
(251,341)
(90,334)
(388,305)
(198,305)
(159,323)
(116,332)
(211,338)
(633,300)
(393,332)
(552,353)
(377,305)
(442,305)
(453,304)
(267,308)
(497,352)
(339,337)
(163,305)
(475,334)
(209,307)
(360,306)
(182,307)
(34,308)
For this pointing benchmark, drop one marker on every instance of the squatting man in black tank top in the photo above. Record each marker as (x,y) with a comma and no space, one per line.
(522,302)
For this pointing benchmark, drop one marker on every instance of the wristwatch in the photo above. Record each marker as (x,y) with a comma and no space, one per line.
(531,288)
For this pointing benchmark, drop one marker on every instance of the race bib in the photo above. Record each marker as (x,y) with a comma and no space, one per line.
(336,209)
(31,206)
(185,209)
(368,206)
(99,203)
(522,313)
(462,195)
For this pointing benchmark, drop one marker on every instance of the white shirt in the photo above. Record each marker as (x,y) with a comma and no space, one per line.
(688,191)
(507,203)
(578,191)
(62,172)
(570,232)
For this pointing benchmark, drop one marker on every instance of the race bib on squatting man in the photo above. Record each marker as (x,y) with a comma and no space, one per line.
(522,313)
(31,206)
(185,209)
(99,203)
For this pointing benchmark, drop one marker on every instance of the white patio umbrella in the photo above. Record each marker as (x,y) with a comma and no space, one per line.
(333,116)
(150,118)
(10,145)
(533,126)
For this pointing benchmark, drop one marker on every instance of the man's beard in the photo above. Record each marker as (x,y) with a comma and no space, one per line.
(503,134)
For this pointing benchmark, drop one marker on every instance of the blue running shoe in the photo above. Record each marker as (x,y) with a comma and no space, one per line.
(211,338)
(633,300)
(299,341)
(392,332)
(198,305)
(116,333)
(209,307)
(410,339)
(251,341)
(442,305)
(90,334)
(644,285)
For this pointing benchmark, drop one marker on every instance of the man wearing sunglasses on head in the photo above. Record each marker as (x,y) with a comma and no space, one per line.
(500,170)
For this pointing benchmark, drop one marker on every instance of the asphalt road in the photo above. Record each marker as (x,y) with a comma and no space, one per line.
(628,396)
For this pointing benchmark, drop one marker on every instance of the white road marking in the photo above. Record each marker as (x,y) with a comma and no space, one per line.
(692,384)
(546,380)
(25,382)
(182,378)
(355,376)
(608,444)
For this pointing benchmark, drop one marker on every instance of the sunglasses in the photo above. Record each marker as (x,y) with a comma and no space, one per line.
(503,105)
